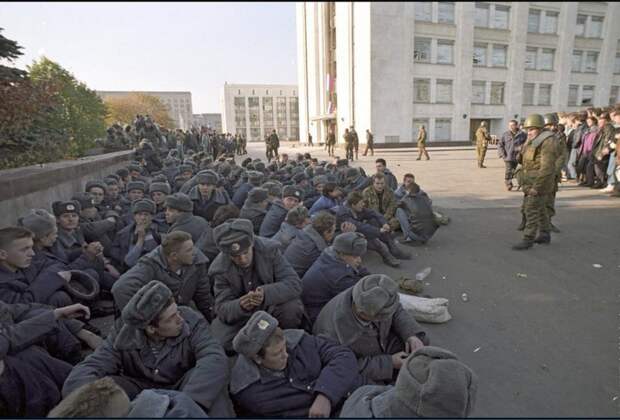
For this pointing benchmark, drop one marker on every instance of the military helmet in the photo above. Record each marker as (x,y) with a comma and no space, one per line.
(534,121)
(551,119)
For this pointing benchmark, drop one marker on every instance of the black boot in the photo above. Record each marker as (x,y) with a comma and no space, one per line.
(522,225)
(554,228)
(397,252)
(524,244)
(543,238)
(387,257)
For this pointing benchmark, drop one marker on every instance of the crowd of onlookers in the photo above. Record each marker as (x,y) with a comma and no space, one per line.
(235,288)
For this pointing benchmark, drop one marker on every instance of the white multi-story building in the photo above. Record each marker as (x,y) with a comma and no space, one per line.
(256,110)
(179,104)
(394,66)
(214,121)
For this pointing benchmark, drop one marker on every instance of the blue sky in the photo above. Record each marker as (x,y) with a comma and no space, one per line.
(160,46)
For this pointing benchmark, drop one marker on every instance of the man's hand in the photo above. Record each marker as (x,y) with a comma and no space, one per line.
(92,340)
(532,192)
(141,231)
(258,296)
(72,311)
(93,249)
(398,359)
(245,302)
(65,275)
(413,343)
(321,407)
(385,228)
(347,227)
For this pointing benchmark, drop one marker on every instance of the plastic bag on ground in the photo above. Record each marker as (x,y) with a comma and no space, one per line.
(431,310)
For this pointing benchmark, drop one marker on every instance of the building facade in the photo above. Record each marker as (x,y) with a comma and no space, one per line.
(179,104)
(256,110)
(394,66)
(213,121)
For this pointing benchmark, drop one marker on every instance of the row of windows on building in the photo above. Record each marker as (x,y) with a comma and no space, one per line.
(266,92)
(441,51)
(497,16)
(439,91)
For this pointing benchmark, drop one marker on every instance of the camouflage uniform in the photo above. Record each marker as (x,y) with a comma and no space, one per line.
(388,205)
(482,138)
(539,173)
(561,153)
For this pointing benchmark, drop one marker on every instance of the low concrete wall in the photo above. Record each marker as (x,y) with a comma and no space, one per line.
(38,186)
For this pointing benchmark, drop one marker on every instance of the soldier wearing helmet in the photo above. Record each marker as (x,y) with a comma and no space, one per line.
(482,139)
(537,180)
(552,123)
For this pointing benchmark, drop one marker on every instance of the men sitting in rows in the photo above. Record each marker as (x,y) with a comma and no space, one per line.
(296,219)
(291,197)
(431,383)
(180,217)
(255,207)
(248,275)
(157,344)
(380,198)
(158,191)
(338,267)
(374,227)
(178,264)
(330,197)
(369,319)
(36,353)
(138,238)
(94,226)
(254,179)
(308,244)
(416,217)
(112,199)
(135,191)
(289,373)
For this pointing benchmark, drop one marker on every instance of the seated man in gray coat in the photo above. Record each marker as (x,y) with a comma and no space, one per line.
(369,319)
(158,345)
(432,383)
(179,216)
(255,207)
(250,274)
(179,265)
(308,244)
(296,219)
(291,197)
(338,268)
(289,373)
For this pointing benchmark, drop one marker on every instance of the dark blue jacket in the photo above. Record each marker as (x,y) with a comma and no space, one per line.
(327,277)
(368,222)
(206,208)
(304,250)
(241,194)
(315,365)
(123,242)
(509,145)
(29,285)
(323,203)
(273,219)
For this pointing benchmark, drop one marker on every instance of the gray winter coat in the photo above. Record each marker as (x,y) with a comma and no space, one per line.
(285,235)
(191,286)
(273,219)
(278,279)
(163,403)
(305,249)
(254,213)
(194,225)
(368,401)
(193,363)
(337,321)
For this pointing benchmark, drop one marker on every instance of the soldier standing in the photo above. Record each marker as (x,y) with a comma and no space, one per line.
(537,180)
(370,143)
(355,142)
(331,142)
(551,124)
(348,144)
(482,139)
(422,144)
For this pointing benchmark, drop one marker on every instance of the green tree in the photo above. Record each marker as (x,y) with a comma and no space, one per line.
(10,51)
(81,113)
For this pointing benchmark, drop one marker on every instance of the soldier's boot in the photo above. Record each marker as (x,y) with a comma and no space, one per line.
(397,252)
(554,228)
(543,238)
(524,244)
(522,225)
(387,257)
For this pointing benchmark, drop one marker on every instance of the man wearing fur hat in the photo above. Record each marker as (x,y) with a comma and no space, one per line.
(250,274)
(157,344)
(206,196)
(158,191)
(338,268)
(137,239)
(291,197)
(255,207)
(289,373)
(254,179)
(369,319)
(432,383)
(179,216)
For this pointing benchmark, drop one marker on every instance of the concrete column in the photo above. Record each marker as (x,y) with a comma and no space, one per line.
(564,55)
(288,119)
(302,69)
(464,49)
(247,118)
(607,56)
(261,115)
(516,61)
